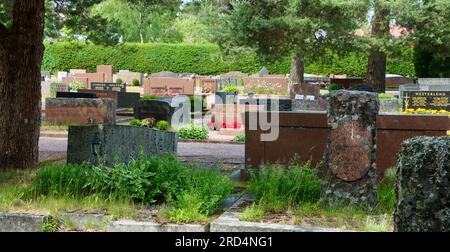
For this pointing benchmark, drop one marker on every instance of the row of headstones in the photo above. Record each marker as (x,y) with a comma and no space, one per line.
(423,176)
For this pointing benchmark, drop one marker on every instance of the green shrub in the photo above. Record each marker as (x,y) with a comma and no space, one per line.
(276,188)
(135,122)
(205,59)
(162,125)
(193,132)
(135,82)
(118,80)
(230,89)
(333,87)
(239,138)
(153,97)
(77,85)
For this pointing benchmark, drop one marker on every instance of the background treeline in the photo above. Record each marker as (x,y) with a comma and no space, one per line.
(204,59)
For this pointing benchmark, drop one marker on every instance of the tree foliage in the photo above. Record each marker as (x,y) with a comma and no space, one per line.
(142,20)
(279,27)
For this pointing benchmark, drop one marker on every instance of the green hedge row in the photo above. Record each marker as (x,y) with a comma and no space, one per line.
(202,59)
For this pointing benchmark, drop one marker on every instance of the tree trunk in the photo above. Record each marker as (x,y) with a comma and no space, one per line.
(21,51)
(376,77)
(297,70)
(377,71)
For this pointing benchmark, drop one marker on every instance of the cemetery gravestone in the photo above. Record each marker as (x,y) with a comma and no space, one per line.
(349,158)
(105,143)
(434,81)
(122,99)
(119,87)
(434,100)
(160,110)
(62,75)
(80,110)
(422,186)
(76,95)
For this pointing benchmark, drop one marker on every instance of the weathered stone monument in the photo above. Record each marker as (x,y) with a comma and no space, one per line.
(349,159)
(423,185)
(110,143)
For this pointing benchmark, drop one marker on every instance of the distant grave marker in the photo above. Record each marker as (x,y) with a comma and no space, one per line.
(119,87)
(435,100)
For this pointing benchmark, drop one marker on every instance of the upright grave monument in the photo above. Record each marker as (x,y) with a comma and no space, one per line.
(349,159)
(425,96)
(109,86)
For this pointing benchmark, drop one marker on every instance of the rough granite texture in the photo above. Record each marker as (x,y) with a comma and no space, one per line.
(349,158)
(423,185)
(117,142)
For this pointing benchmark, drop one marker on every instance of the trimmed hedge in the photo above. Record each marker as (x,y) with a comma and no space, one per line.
(202,59)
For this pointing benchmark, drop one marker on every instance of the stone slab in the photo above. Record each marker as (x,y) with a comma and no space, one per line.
(135,226)
(229,222)
(22,222)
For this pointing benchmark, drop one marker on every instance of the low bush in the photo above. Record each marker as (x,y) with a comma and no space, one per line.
(333,87)
(193,132)
(118,80)
(153,97)
(135,83)
(135,122)
(239,138)
(77,85)
(230,89)
(162,125)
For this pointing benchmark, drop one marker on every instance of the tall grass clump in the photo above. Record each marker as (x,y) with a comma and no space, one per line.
(192,193)
(386,192)
(276,188)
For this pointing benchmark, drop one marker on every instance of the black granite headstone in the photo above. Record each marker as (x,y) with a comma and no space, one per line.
(75,95)
(120,87)
(434,100)
(127,100)
(160,110)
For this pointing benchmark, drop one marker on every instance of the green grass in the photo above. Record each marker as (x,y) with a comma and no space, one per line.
(48,126)
(277,189)
(280,191)
(15,197)
(191,193)
(384,96)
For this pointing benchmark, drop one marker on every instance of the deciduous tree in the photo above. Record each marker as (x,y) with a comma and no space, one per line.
(21,50)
